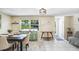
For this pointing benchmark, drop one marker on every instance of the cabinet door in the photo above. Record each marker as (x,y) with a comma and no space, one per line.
(33,36)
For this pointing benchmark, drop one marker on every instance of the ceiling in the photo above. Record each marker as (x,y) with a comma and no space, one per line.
(35,11)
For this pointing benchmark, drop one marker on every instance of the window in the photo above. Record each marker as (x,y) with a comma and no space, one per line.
(34,24)
(25,24)
(29,24)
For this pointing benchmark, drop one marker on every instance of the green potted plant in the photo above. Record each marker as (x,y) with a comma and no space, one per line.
(9,31)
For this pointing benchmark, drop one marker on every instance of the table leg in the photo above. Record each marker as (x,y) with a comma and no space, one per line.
(48,35)
(21,46)
(17,45)
(42,35)
(51,34)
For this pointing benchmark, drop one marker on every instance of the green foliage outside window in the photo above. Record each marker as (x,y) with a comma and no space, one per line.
(29,24)
(25,24)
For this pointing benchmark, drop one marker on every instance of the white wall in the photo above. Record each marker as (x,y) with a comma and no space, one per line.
(68,23)
(5,23)
(47,23)
(76,23)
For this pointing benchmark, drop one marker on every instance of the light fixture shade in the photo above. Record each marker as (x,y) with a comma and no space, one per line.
(42,11)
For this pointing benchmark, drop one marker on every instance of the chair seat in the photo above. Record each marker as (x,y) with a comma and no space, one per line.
(26,41)
(2,48)
(4,45)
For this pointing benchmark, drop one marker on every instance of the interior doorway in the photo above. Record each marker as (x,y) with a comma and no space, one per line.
(59,26)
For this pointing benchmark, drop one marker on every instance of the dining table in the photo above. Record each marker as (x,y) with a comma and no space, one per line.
(18,38)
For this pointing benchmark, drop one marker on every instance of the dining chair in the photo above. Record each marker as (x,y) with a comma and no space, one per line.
(14,32)
(26,40)
(4,45)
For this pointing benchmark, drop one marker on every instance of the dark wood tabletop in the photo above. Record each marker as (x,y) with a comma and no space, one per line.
(18,38)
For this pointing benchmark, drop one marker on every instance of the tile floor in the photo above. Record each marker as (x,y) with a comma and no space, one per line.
(52,45)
